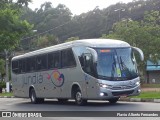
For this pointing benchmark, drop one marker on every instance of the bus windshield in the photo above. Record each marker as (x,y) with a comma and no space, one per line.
(116,64)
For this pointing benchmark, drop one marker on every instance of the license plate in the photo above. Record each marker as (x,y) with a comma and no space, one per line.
(123,96)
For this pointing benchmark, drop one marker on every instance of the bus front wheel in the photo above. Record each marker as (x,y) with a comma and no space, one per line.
(78,98)
(34,99)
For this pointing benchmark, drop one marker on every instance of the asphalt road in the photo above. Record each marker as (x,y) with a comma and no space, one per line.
(19,104)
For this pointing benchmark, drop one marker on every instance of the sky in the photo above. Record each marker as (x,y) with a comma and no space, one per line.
(78,6)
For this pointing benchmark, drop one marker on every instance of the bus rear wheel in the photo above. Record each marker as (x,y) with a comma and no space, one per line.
(78,98)
(113,100)
(33,96)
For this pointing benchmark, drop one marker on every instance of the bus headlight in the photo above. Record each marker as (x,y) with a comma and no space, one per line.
(104,85)
(101,94)
(137,83)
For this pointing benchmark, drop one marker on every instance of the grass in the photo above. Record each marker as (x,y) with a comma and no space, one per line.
(149,95)
(6,94)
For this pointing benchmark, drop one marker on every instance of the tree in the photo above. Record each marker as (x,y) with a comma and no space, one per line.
(22,2)
(46,6)
(44,41)
(12,28)
(72,39)
(60,22)
(2,67)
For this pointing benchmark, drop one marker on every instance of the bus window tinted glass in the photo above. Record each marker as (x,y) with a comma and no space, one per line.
(54,60)
(41,62)
(15,66)
(86,60)
(68,59)
(22,66)
(30,64)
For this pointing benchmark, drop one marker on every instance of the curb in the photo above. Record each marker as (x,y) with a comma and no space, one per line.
(7,96)
(139,100)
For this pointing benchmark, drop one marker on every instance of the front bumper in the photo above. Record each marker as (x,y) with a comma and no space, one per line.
(105,93)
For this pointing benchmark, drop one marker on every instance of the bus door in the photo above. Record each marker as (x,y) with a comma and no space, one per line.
(90,80)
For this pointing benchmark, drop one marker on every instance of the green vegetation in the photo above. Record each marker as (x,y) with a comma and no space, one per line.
(149,95)
(59,21)
(6,94)
(2,84)
(12,28)
(72,39)
(2,67)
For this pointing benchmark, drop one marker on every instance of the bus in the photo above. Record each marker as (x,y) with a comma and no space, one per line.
(88,69)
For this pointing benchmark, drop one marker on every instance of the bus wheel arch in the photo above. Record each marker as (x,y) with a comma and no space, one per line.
(73,90)
(32,95)
(77,95)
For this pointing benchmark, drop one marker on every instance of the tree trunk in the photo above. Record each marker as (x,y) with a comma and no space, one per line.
(0,90)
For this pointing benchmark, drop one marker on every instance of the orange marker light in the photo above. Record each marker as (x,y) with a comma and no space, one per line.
(105,51)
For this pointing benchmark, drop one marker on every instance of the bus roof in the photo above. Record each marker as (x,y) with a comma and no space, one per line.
(109,43)
(100,43)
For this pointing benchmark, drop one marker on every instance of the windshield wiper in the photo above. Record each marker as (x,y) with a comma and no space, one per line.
(113,68)
(124,69)
(123,66)
(104,77)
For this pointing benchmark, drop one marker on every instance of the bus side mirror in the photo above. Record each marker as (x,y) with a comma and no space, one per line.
(94,53)
(140,52)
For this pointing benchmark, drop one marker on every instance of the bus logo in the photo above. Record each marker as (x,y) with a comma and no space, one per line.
(56,78)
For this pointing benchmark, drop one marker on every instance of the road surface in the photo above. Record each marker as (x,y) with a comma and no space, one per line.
(23,105)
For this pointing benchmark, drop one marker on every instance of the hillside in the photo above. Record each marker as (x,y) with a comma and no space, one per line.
(60,23)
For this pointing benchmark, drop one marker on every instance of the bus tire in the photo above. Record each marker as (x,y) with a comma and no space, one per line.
(33,97)
(78,98)
(113,100)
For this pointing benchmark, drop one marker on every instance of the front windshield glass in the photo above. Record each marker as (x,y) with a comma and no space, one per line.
(116,64)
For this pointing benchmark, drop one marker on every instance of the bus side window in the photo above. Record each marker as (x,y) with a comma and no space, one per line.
(41,63)
(15,68)
(30,64)
(54,60)
(33,64)
(68,59)
(22,66)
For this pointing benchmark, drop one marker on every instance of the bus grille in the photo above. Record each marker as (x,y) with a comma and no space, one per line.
(122,87)
(122,93)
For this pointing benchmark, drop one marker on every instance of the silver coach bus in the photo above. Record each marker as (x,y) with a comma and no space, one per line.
(89,69)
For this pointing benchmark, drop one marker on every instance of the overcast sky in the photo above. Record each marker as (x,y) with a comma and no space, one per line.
(78,6)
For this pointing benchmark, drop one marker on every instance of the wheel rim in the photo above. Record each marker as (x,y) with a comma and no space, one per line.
(79,97)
